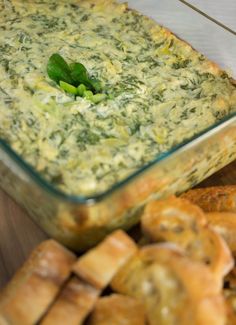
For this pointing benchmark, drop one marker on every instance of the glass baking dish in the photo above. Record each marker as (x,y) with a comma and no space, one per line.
(80,222)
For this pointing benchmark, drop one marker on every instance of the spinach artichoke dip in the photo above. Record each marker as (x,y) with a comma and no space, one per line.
(159,91)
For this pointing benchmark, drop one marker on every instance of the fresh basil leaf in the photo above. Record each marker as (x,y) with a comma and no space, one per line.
(77,68)
(79,74)
(58,69)
(74,78)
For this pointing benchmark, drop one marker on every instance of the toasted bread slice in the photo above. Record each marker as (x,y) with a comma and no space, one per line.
(212,199)
(73,304)
(100,264)
(210,248)
(230,280)
(174,289)
(118,310)
(172,219)
(224,223)
(179,221)
(36,284)
(230,298)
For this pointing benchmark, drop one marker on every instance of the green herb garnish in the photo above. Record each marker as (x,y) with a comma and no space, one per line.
(81,89)
(74,79)
(98,98)
(68,88)
(79,74)
(58,70)
(88,94)
(96,84)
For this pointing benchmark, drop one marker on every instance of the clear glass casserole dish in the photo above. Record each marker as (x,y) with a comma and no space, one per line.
(80,222)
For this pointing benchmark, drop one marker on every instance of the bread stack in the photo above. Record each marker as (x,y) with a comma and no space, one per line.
(184,274)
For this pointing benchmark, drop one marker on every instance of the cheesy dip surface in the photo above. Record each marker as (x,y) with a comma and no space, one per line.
(163,92)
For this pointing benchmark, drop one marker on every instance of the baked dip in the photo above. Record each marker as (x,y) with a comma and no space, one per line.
(158,91)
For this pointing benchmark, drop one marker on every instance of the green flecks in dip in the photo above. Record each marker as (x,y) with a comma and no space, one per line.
(160,91)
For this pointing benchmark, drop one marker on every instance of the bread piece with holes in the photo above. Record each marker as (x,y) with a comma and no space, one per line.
(73,304)
(118,310)
(173,289)
(183,223)
(230,296)
(230,299)
(224,223)
(100,264)
(212,199)
(172,219)
(35,286)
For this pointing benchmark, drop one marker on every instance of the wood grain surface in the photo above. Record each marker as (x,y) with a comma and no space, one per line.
(19,234)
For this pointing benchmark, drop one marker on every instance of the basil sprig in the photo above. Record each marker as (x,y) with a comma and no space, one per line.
(74,78)
(58,70)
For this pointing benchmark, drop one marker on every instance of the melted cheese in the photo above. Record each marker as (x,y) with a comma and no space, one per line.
(164,91)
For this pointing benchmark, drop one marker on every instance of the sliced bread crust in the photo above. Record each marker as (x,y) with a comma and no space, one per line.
(100,264)
(73,304)
(212,199)
(36,284)
(118,310)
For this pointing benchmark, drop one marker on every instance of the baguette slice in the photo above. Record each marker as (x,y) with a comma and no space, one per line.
(73,304)
(100,264)
(180,222)
(212,199)
(118,310)
(210,248)
(174,289)
(172,219)
(230,280)
(230,298)
(34,287)
(224,223)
